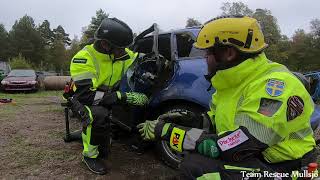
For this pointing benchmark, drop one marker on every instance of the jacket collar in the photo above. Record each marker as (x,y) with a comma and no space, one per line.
(234,76)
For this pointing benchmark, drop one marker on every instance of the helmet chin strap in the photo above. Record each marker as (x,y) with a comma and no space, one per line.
(227,64)
(97,46)
(110,51)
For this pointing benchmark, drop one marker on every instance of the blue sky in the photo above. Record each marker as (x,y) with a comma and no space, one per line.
(73,15)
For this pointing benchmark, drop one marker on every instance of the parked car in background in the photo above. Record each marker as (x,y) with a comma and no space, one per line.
(314,78)
(20,80)
(4,69)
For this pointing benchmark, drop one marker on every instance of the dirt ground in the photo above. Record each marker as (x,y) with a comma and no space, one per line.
(31,145)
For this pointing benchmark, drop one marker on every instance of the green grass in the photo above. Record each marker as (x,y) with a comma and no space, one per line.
(24,99)
(30,155)
(51,108)
(56,134)
(21,96)
(7,111)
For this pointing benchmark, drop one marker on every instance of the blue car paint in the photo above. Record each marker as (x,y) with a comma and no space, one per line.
(315,119)
(188,84)
(315,75)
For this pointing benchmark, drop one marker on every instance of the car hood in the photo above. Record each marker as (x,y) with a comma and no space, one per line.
(19,79)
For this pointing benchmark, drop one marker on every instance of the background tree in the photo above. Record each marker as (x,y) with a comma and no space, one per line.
(235,8)
(46,33)
(4,45)
(25,39)
(269,25)
(47,36)
(19,62)
(315,27)
(58,56)
(71,51)
(299,50)
(94,24)
(191,22)
(315,32)
(61,35)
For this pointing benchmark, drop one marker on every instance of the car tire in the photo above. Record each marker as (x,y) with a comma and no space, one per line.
(167,155)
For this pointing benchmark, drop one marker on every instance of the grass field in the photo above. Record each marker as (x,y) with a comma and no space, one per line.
(31,144)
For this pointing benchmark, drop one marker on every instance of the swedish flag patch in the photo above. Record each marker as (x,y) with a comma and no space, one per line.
(274,87)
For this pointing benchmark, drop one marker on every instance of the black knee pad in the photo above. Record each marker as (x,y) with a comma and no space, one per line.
(99,125)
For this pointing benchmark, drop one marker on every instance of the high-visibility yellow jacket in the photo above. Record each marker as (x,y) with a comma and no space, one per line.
(267,99)
(91,69)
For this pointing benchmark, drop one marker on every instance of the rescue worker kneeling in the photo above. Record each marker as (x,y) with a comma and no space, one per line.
(260,111)
(96,69)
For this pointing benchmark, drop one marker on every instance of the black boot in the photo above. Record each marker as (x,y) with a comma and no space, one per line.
(95,165)
(103,151)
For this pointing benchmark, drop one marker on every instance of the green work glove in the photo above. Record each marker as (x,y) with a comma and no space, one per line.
(136,99)
(146,129)
(171,115)
(209,148)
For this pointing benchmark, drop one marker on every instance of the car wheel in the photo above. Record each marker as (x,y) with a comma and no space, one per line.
(167,155)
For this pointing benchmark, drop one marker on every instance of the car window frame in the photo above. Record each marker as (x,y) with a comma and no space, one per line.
(175,46)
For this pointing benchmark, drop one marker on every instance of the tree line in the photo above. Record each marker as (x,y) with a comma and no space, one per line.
(42,47)
(45,48)
(299,52)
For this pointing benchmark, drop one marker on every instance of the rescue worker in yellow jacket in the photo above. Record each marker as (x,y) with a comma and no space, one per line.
(260,111)
(96,70)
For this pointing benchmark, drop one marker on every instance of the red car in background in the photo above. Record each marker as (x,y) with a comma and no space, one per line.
(20,80)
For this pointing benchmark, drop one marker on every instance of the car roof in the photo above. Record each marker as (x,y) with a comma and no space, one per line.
(194,30)
(22,70)
(312,73)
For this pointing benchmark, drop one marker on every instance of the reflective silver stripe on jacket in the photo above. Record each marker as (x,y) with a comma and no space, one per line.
(261,132)
(301,134)
(82,76)
(95,62)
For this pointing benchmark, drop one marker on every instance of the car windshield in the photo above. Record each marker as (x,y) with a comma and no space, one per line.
(22,73)
(3,66)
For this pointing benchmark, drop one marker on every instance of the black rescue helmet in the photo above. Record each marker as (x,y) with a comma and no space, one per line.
(116,32)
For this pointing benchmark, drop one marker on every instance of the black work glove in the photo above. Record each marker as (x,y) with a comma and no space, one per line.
(109,98)
(239,145)
(80,111)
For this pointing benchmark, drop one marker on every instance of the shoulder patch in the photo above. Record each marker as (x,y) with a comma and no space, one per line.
(269,107)
(274,87)
(81,61)
(295,106)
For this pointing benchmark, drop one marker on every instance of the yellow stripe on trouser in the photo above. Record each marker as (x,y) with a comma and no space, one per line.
(210,176)
(88,149)
(216,175)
